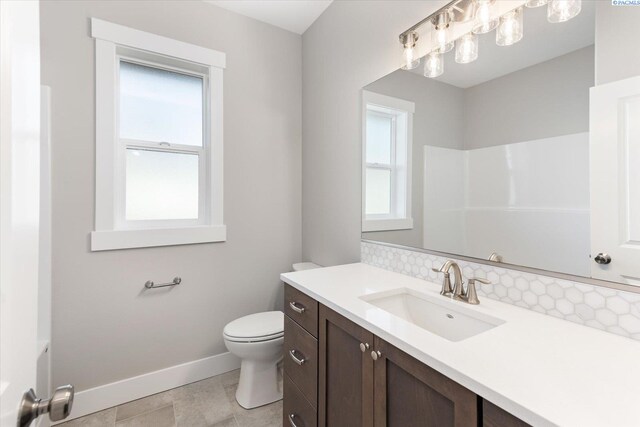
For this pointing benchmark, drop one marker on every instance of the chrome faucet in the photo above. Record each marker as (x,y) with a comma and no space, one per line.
(468,295)
(457,292)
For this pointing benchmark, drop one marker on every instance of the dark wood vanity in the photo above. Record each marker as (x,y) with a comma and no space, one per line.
(337,373)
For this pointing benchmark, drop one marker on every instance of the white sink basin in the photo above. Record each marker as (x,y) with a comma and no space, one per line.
(437,314)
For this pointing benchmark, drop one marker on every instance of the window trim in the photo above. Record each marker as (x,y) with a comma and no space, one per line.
(392,221)
(113,41)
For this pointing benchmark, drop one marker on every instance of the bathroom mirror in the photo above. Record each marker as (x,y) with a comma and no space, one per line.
(491,158)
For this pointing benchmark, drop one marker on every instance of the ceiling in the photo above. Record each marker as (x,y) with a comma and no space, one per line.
(291,15)
(541,42)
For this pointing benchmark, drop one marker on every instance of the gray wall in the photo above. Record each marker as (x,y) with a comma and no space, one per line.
(104,327)
(436,122)
(617,35)
(544,100)
(352,45)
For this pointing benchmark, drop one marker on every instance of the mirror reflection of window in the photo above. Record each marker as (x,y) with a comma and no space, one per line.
(387,163)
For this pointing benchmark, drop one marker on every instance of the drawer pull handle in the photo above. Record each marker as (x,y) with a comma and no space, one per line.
(291,422)
(299,361)
(364,346)
(298,308)
(375,355)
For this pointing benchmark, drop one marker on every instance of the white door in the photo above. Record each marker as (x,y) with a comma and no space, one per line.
(19,212)
(615,181)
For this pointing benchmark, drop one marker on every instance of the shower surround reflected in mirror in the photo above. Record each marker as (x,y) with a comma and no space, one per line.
(491,157)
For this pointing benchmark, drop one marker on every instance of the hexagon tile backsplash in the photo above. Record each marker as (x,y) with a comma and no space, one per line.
(607,309)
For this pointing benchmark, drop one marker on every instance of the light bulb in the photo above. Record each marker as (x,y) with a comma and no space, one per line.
(433,64)
(441,35)
(409,60)
(510,28)
(536,3)
(467,48)
(563,10)
(484,21)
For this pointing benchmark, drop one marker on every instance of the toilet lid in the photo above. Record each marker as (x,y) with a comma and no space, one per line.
(256,325)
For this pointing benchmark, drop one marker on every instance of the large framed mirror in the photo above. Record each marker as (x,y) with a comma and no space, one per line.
(491,159)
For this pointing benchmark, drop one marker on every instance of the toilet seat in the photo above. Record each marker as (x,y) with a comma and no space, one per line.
(254,339)
(256,327)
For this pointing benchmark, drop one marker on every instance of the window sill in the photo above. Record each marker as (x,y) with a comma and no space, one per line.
(126,239)
(387,224)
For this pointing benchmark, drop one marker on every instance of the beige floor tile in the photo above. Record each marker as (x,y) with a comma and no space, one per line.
(264,416)
(141,406)
(203,404)
(229,422)
(163,417)
(106,418)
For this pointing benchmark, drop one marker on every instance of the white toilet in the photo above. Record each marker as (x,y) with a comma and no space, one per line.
(257,339)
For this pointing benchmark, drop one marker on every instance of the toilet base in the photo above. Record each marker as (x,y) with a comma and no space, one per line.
(258,384)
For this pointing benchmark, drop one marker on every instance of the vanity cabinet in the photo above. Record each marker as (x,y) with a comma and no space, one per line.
(345,380)
(409,393)
(351,378)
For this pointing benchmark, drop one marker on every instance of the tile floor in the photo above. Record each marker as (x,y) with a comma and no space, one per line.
(206,403)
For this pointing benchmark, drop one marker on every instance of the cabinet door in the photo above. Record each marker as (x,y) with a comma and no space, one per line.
(615,180)
(409,393)
(345,383)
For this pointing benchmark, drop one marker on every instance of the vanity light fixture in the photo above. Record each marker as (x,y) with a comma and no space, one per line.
(563,10)
(484,21)
(409,59)
(433,64)
(467,48)
(510,29)
(481,17)
(441,35)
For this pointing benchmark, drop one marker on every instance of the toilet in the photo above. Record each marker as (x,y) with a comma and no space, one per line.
(257,339)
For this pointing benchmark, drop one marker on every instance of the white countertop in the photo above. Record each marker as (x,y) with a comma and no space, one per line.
(543,370)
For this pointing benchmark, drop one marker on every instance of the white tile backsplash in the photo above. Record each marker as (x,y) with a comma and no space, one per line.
(598,307)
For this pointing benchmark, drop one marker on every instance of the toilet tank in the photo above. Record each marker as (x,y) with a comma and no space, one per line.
(305,266)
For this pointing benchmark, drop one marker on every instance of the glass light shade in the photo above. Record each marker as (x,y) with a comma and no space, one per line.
(484,20)
(510,28)
(409,59)
(563,10)
(441,34)
(433,64)
(467,48)
(536,3)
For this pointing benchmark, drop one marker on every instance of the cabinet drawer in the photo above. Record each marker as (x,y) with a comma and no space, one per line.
(301,359)
(296,412)
(301,308)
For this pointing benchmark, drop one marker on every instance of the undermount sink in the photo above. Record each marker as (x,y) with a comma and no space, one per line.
(434,313)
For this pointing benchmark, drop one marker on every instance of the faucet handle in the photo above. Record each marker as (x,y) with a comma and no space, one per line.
(472,296)
(446,283)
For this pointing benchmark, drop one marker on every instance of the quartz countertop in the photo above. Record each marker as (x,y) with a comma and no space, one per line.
(543,370)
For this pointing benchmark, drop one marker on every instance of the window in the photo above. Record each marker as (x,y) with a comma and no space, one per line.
(387,133)
(158,140)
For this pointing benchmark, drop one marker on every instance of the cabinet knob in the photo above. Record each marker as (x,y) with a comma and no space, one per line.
(364,346)
(602,258)
(375,355)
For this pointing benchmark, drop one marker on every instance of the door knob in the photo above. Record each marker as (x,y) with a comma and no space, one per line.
(58,406)
(602,258)
(375,355)
(364,346)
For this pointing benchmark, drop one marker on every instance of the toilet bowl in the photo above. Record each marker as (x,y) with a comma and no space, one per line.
(257,339)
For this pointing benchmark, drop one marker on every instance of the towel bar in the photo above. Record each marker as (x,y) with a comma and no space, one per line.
(150,285)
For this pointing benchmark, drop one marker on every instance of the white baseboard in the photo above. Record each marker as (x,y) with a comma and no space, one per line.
(113,394)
